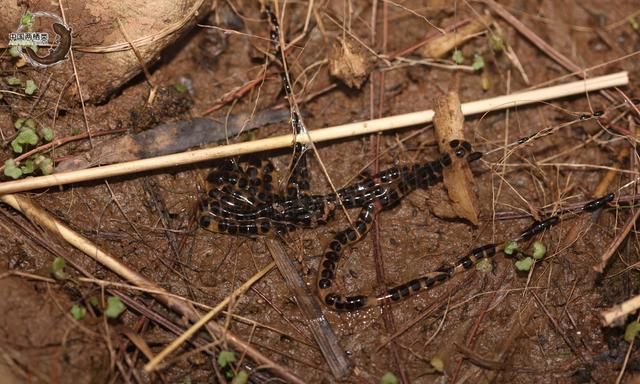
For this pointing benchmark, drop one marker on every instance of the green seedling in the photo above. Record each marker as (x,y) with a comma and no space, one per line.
(26,136)
(539,250)
(457,56)
(26,19)
(114,307)
(11,170)
(496,43)
(388,378)
(241,378)
(78,312)
(631,331)
(13,81)
(524,264)
(47,134)
(484,265)
(30,87)
(57,269)
(180,87)
(44,164)
(95,303)
(478,62)
(225,358)
(27,168)
(511,248)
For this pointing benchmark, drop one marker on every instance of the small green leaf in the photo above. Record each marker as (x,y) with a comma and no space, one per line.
(186,380)
(457,56)
(225,358)
(19,122)
(539,250)
(631,331)
(30,123)
(484,265)
(13,51)
(14,81)
(510,248)
(10,169)
(496,43)
(241,378)
(634,23)
(388,378)
(16,146)
(114,307)
(47,134)
(27,168)
(93,300)
(44,164)
(30,87)
(78,312)
(57,268)
(180,87)
(25,136)
(478,62)
(26,19)
(524,264)
(437,364)
(75,131)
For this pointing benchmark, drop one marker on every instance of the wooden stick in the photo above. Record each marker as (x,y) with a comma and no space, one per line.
(618,313)
(41,217)
(318,135)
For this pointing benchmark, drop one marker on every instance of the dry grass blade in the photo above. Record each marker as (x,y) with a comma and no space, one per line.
(631,222)
(319,135)
(322,332)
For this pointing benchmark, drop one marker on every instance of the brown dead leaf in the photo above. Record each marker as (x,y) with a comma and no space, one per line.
(350,63)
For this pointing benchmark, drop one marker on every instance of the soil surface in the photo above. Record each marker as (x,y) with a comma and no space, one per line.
(502,325)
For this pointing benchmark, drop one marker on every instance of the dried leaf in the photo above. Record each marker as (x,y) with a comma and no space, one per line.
(350,63)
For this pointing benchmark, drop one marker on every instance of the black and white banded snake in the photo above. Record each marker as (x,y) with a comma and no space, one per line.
(243,201)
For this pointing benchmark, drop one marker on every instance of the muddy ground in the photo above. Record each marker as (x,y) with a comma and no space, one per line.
(501,326)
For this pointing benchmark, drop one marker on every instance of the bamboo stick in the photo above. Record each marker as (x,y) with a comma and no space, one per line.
(318,135)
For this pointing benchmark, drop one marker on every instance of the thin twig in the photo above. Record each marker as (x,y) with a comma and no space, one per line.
(318,135)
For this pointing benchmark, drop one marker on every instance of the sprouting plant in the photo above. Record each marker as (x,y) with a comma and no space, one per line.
(478,62)
(631,331)
(78,312)
(241,378)
(114,307)
(388,378)
(496,43)
(28,136)
(457,56)
(524,264)
(57,269)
